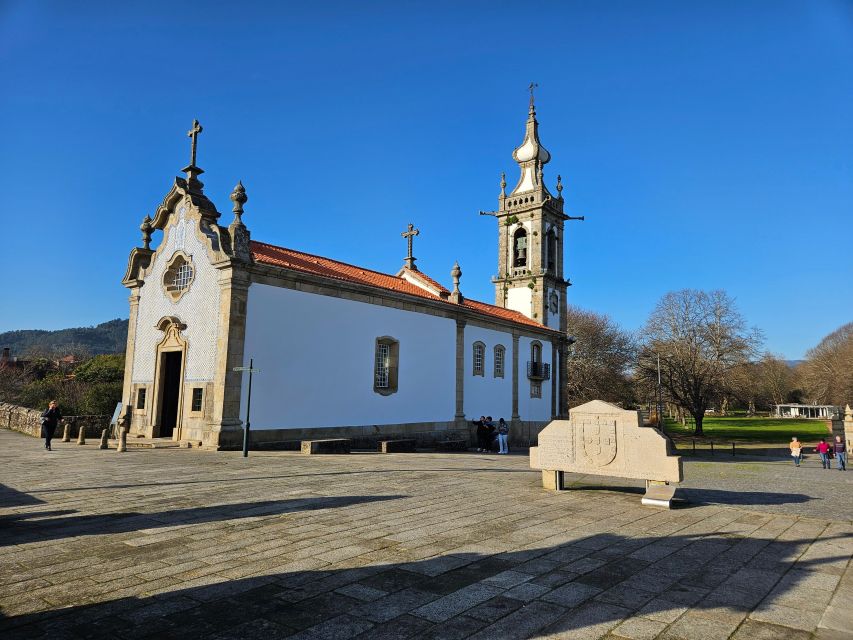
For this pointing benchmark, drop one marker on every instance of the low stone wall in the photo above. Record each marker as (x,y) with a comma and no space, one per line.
(425,434)
(28,421)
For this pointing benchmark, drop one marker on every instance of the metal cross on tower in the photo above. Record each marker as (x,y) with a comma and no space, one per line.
(193,133)
(532,86)
(409,235)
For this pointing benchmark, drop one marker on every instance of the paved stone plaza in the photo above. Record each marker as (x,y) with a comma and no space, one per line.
(188,544)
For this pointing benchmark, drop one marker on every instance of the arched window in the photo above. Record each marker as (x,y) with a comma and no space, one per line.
(519,244)
(500,354)
(551,248)
(536,352)
(479,358)
(386,363)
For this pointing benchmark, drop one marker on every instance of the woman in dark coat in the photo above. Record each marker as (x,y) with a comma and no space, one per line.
(49,419)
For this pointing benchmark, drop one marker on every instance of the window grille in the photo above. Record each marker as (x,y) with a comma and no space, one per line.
(479,358)
(197,396)
(183,277)
(140,398)
(383,366)
(499,361)
(535,389)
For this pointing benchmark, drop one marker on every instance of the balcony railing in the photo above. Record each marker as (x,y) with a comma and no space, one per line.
(538,371)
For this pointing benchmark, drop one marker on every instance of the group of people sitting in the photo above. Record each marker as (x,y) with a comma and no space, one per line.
(490,434)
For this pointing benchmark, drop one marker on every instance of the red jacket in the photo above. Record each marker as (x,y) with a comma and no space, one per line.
(822,447)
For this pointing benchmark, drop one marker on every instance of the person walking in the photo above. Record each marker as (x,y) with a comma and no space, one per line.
(503,436)
(823,451)
(840,448)
(49,419)
(796,450)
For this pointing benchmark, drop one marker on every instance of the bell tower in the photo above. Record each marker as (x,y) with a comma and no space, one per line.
(530,236)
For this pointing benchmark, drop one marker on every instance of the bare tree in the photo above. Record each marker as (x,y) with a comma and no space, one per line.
(828,369)
(701,340)
(600,359)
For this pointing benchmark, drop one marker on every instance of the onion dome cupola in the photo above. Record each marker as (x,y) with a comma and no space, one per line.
(531,155)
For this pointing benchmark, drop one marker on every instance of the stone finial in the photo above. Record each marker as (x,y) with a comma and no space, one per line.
(456,274)
(239,198)
(848,413)
(146,228)
(560,187)
(503,184)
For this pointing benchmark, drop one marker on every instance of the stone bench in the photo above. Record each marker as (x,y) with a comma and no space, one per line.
(451,445)
(397,446)
(332,445)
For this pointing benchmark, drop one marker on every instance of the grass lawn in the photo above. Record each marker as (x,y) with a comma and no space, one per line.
(775,430)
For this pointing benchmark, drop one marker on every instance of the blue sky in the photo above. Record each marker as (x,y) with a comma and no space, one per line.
(708,144)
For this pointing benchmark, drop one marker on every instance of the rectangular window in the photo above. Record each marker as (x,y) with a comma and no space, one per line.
(383,364)
(499,362)
(479,358)
(535,389)
(197,396)
(140,398)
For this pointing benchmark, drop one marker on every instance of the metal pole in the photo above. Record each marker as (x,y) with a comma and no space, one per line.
(248,409)
(660,422)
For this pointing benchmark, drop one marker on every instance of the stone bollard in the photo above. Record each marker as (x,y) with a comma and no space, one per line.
(104,439)
(66,435)
(81,436)
(122,440)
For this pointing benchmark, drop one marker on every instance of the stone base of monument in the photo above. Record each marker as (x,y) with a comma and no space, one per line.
(603,440)
(658,494)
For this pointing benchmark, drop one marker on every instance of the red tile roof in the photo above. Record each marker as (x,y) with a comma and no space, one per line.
(317,265)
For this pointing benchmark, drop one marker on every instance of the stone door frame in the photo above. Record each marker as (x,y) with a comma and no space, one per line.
(172,342)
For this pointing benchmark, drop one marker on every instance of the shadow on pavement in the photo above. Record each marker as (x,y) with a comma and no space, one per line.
(21,528)
(591,583)
(10,497)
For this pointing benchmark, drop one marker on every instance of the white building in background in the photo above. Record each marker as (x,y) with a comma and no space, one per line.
(343,351)
(794,410)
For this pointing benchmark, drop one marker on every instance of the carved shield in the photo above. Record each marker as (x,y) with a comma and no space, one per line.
(599,442)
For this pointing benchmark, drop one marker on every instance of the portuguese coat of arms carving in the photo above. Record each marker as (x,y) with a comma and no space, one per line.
(599,442)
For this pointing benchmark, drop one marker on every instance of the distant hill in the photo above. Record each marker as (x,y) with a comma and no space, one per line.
(107,337)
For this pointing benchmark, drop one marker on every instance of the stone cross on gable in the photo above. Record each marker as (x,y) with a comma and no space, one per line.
(409,235)
(193,133)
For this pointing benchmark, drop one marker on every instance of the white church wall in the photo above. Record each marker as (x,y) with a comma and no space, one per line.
(316,356)
(533,408)
(520,299)
(487,395)
(197,308)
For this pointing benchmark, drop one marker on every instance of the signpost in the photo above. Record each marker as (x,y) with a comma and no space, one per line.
(251,370)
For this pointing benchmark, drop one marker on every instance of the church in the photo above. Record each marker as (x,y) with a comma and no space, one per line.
(342,351)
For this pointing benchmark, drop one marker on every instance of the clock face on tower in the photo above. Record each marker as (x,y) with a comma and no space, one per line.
(553,302)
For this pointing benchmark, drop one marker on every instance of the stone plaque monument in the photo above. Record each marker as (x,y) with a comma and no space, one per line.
(601,439)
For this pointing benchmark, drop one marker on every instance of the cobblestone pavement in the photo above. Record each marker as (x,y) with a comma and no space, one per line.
(187,544)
